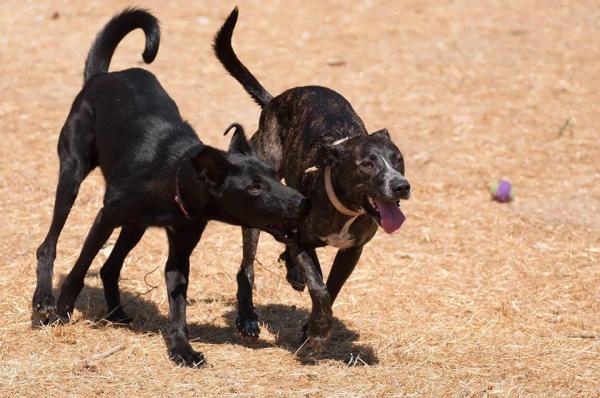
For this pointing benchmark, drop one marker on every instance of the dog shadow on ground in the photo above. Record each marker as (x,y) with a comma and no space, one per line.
(283,321)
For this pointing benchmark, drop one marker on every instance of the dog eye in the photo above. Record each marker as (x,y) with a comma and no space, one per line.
(254,189)
(367,164)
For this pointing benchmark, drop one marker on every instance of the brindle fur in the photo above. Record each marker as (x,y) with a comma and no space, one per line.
(297,130)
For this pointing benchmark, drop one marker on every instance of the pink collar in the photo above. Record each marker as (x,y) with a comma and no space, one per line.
(178,198)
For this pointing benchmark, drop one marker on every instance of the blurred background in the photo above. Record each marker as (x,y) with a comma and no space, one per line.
(472,298)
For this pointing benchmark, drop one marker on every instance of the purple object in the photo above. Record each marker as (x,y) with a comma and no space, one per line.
(502,191)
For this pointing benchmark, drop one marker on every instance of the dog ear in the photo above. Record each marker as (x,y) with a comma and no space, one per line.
(383,133)
(211,165)
(329,155)
(239,143)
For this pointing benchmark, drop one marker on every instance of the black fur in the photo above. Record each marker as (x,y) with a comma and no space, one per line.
(125,123)
(297,130)
(104,45)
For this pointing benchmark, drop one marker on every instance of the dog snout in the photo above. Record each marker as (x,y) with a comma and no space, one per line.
(299,203)
(400,188)
(296,204)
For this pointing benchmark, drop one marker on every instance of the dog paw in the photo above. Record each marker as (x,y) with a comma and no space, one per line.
(295,278)
(317,332)
(43,303)
(119,316)
(186,356)
(64,310)
(248,327)
(304,333)
(293,275)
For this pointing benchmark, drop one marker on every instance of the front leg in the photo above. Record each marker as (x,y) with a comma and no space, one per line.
(181,245)
(294,274)
(343,265)
(318,328)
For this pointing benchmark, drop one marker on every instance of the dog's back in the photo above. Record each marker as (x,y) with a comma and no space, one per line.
(303,119)
(294,124)
(126,117)
(144,129)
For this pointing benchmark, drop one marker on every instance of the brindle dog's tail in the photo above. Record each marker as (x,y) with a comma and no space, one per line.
(114,31)
(225,54)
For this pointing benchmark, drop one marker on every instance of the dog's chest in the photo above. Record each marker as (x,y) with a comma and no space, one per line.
(339,240)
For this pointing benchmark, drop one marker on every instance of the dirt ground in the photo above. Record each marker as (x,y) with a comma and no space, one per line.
(472,299)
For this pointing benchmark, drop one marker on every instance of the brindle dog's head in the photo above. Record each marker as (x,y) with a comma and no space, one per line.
(369,171)
(246,191)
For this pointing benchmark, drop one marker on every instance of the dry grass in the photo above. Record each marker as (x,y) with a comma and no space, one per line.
(472,299)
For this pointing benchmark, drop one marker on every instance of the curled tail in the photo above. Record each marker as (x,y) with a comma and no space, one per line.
(225,54)
(114,31)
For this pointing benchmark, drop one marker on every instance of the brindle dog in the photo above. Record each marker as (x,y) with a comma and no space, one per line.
(355,180)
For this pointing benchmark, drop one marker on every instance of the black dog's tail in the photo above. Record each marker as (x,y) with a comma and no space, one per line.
(116,29)
(225,54)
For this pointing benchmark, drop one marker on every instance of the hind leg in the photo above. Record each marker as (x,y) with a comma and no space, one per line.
(110,271)
(75,164)
(267,141)
(247,320)
(267,144)
(103,226)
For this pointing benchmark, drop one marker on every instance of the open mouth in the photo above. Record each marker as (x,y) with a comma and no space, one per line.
(387,213)
(284,232)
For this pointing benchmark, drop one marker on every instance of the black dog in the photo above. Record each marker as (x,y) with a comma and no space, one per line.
(357,184)
(158,173)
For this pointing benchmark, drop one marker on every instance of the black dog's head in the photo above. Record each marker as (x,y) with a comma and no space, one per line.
(246,191)
(370,169)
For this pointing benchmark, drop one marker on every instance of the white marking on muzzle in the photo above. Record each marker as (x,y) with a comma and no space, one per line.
(390,173)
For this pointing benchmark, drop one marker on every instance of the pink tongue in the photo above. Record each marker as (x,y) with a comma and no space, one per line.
(391,216)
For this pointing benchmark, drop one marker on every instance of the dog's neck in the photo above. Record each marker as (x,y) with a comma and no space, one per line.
(333,197)
(341,198)
(178,197)
(190,195)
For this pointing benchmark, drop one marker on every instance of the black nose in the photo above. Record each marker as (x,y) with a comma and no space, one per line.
(401,188)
